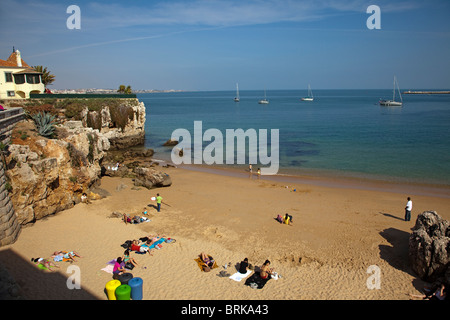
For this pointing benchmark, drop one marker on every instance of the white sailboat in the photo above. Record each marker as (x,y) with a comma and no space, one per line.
(310,96)
(393,103)
(237,99)
(264,101)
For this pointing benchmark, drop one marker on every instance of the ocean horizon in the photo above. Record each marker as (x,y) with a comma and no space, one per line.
(342,133)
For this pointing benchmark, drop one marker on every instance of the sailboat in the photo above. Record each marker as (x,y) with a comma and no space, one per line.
(264,101)
(392,102)
(236,99)
(310,95)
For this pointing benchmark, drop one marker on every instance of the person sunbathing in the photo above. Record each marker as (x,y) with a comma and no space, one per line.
(60,255)
(136,246)
(45,262)
(265,270)
(209,262)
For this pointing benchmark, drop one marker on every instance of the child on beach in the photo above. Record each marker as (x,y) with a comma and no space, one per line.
(129,262)
(288,219)
(158,202)
(84,198)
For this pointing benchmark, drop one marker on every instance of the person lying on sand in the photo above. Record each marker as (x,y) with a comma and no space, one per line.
(137,246)
(45,262)
(438,294)
(209,262)
(65,255)
(150,239)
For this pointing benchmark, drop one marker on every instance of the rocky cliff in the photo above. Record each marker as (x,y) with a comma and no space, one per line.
(48,175)
(121,121)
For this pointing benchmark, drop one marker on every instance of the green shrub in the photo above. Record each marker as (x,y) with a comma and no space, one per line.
(45,124)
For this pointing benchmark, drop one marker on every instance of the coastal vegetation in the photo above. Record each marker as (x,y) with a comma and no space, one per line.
(124,90)
(45,124)
(47,77)
(120,110)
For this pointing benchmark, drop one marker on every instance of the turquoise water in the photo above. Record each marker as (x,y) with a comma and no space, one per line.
(340,133)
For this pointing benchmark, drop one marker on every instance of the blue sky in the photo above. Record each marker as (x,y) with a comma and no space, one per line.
(212,44)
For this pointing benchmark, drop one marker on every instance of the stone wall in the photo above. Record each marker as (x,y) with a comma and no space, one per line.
(9,225)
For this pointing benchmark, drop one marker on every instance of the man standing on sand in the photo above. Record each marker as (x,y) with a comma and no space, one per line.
(408,209)
(158,201)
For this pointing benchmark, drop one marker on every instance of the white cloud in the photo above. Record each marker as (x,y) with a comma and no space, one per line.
(228,12)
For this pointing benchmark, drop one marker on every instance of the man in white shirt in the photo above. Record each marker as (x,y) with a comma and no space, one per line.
(408,209)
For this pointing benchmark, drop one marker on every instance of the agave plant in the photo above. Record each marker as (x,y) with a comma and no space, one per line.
(45,124)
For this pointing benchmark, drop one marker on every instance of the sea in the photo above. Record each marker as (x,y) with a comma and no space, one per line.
(342,133)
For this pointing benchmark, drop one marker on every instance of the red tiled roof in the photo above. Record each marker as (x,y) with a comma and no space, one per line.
(12,62)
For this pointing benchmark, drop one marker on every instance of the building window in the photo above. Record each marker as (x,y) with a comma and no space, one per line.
(33,79)
(11,93)
(19,78)
(8,77)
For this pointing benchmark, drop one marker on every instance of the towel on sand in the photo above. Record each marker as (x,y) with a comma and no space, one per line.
(109,268)
(201,264)
(239,276)
(256,282)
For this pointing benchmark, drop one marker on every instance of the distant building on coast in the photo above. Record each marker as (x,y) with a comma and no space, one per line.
(18,79)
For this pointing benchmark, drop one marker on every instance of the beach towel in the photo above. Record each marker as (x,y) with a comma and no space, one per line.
(201,264)
(108,269)
(239,276)
(256,282)
(155,244)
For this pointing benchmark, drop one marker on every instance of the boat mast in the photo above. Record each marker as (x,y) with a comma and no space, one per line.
(393,91)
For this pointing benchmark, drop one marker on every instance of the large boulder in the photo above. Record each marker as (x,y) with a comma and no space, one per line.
(151,178)
(429,247)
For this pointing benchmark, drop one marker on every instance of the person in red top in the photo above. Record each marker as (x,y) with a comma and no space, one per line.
(1,108)
(138,248)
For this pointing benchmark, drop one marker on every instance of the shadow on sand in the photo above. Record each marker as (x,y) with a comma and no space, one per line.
(37,284)
(397,253)
(392,216)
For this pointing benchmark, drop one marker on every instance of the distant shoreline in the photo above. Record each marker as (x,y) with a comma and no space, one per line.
(426,92)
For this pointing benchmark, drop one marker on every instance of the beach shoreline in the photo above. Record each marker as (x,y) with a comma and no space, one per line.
(337,234)
(332,181)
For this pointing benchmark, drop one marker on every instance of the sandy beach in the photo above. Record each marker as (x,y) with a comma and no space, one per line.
(336,235)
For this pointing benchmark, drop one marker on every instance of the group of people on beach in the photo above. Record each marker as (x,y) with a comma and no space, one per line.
(57,256)
(250,170)
(264,271)
(143,245)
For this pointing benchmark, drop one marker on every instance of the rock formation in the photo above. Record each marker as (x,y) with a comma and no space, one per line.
(122,124)
(151,178)
(49,175)
(429,247)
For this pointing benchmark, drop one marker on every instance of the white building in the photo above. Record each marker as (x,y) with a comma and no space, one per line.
(18,79)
